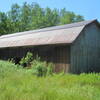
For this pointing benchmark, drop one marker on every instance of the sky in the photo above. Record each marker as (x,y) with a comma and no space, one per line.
(90,9)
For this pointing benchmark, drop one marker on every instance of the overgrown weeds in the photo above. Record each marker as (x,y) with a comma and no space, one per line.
(17,83)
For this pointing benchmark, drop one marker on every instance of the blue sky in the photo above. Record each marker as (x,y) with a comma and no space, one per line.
(90,9)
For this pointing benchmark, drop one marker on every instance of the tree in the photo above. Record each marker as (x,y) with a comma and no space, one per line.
(51,17)
(67,17)
(26,17)
(3,24)
(14,17)
(32,16)
(37,17)
(79,18)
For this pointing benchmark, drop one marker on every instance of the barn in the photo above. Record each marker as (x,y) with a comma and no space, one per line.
(74,48)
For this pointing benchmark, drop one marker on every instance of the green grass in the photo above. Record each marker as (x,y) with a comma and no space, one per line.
(20,84)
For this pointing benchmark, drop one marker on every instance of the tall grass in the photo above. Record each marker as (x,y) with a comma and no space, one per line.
(17,83)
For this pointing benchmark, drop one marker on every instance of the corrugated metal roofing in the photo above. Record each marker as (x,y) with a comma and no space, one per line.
(53,35)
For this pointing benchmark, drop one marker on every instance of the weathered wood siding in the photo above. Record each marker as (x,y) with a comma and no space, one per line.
(85,51)
(59,55)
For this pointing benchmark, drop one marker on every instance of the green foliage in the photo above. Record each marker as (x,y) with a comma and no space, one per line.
(11,60)
(67,17)
(25,18)
(38,67)
(38,17)
(32,16)
(25,61)
(14,17)
(41,68)
(17,83)
(50,69)
(7,67)
(4,24)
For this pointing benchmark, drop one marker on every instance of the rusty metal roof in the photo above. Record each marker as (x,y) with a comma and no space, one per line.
(53,35)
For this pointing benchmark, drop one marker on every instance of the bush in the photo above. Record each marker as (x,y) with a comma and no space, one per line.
(50,69)
(41,68)
(26,61)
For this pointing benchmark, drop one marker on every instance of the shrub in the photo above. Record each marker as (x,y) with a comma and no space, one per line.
(26,61)
(41,68)
(50,69)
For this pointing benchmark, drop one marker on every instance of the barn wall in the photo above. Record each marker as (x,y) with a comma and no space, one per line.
(59,55)
(85,51)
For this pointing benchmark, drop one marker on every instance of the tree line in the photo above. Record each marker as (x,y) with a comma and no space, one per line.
(33,16)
